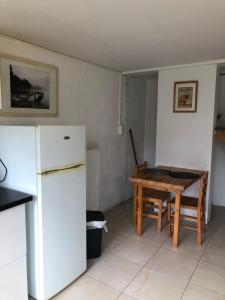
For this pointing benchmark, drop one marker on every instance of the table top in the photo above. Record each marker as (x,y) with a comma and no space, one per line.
(166,182)
(11,198)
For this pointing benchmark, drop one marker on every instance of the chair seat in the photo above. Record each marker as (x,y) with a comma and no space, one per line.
(197,204)
(187,202)
(151,193)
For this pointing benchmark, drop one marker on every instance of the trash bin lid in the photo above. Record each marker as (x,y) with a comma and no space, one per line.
(94,216)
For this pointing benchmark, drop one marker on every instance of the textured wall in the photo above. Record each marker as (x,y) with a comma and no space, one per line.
(88,95)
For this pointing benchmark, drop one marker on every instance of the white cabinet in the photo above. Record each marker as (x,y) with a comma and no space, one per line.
(13,267)
(12,234)
(13,280)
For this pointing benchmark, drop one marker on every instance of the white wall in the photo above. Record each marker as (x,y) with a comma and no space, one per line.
(185,139)
(88,95)
(151,119)
(135,97)
(219,150)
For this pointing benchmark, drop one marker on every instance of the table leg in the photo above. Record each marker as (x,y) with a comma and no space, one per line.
(176,220)
(140,210)
(135,204)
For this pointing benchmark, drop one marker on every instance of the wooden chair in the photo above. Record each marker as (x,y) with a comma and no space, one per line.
(151,199)
(195,204)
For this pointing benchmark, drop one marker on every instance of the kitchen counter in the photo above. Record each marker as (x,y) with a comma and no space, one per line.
(11,198)
(13,252)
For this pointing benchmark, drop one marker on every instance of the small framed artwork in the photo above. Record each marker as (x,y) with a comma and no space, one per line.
(185,96)
(27,88)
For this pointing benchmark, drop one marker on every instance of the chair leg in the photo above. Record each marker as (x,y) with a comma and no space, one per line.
(140,210)
(159,227)
(199,228)
(203,226)
(135,204)
(169,218)
(203,221)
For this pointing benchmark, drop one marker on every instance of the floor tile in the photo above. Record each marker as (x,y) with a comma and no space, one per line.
(122,224)
(124,220)
(188,245)
(119,226)
(92,261)
(126,297)
(210,276)
(87,289)
(173,264)
(155,286)
(221,221)
(152,235)
(217,210)
(198,293)
(214,254)
(114,271)
(135,249)
(218,237)
(110,239)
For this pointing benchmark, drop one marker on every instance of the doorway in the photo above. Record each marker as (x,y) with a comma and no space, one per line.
(218,165)
(140,97)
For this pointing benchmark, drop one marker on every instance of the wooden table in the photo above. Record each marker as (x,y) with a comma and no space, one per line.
(164,183)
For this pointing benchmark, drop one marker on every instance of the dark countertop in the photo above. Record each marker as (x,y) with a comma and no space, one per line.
(11,198)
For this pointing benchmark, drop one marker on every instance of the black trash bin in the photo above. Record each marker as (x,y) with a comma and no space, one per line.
(94,236)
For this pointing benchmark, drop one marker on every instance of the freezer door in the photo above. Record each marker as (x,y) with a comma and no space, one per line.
(62,229)
(59,146)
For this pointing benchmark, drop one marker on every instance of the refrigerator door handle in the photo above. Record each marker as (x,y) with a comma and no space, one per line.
(62,169)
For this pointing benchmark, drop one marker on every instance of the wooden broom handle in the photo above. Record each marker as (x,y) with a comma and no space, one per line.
(133,147)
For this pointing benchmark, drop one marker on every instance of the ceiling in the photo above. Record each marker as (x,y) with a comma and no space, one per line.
(121,34)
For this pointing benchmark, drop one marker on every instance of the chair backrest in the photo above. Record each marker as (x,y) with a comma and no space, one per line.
(139,168)
(203,191)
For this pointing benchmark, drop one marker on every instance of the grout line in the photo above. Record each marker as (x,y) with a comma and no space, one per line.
(212,291)
(212,263)
(14,260)
(126,235)
(199,260)
(116,244)
(103,283)
(140,270)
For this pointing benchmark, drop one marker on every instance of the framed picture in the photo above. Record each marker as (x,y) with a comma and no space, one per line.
(185,96)
(27,88)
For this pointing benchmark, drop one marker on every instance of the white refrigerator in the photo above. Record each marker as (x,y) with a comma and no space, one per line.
(49,162)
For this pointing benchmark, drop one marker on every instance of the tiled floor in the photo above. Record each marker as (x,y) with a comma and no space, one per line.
(148,268)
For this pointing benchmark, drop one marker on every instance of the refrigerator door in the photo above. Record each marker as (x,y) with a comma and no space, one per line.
(61,206)
(62,229)
(59,146)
